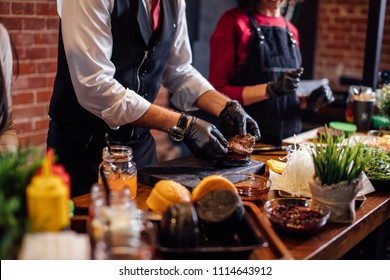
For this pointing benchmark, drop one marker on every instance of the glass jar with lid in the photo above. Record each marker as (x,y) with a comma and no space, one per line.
(119,169)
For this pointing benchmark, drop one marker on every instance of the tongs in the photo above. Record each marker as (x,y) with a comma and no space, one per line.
(266,149)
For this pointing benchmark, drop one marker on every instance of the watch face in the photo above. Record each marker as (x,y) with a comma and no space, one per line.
(176,133)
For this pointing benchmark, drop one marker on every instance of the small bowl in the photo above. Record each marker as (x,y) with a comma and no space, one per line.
(251,187)
(296,215)
(378,133)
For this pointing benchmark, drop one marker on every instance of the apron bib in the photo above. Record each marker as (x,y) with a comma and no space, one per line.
(272,51)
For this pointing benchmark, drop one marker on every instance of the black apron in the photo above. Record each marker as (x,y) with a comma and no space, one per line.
(272,51)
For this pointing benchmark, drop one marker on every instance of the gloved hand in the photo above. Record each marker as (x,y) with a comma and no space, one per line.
(286,83)
(319,98)
(204,140)
(234,120)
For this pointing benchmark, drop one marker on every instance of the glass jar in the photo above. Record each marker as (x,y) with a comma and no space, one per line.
(119,169)
(119,230)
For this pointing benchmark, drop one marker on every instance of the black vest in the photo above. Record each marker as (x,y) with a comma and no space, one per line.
(272,50)
(139,55)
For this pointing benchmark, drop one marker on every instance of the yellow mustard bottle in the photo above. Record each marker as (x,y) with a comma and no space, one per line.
(48,201)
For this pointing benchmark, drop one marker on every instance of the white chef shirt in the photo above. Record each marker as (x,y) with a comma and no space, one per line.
(86,31)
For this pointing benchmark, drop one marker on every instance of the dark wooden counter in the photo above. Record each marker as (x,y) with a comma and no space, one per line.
(332,242)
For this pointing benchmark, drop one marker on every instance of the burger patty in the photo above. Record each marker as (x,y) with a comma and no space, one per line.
(332,132)
(241,145)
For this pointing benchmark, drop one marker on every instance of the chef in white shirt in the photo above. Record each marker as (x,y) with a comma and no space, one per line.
(112,58)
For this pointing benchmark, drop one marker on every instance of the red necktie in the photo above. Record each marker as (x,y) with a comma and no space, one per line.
(155,13)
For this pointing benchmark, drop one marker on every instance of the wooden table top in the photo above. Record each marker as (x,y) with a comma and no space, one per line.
(332,242)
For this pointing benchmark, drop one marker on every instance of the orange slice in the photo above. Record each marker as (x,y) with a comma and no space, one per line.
(210,183)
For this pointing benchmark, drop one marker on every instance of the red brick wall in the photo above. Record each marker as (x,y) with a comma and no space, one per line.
(33,27)
(341,39)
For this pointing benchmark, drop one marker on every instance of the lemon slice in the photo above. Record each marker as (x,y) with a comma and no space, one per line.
(210,183)
(276,165)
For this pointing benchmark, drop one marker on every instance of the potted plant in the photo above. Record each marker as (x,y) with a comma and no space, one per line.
(338,171)
(16,170)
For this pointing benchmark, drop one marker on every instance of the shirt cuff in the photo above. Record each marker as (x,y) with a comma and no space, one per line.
(185,97)
(129,109)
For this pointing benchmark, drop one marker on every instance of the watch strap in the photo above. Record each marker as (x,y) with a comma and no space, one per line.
(183,121)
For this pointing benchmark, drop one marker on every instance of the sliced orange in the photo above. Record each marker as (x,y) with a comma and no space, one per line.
(210,183)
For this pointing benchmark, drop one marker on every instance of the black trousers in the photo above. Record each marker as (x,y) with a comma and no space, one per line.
(79,150)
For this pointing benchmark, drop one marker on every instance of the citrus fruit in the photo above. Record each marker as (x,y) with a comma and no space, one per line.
(210,183)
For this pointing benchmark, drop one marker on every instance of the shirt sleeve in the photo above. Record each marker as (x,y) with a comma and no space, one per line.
(8,139)
(86,32)
(182,80)
(6,62)
(223,61)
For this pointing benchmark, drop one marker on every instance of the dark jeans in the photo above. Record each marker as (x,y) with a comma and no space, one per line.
(79,150)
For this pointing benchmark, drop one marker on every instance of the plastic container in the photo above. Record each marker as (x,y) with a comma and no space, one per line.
(48,201)
(348,128)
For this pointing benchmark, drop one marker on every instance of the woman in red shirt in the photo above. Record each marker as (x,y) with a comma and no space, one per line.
(255,59)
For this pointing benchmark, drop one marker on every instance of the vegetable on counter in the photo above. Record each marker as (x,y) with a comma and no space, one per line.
(378,166)
(335,163)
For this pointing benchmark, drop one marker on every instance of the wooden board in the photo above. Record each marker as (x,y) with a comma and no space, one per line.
(190,170)
(256,238)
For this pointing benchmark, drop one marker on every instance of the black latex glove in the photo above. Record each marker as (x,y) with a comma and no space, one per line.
(319,98)
(204,140)
(234,120)
(287,83)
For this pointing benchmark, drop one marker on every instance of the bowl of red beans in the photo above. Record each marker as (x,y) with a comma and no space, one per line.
(296,215)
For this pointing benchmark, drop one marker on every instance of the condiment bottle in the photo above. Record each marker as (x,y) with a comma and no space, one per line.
(48,200)
(119,169)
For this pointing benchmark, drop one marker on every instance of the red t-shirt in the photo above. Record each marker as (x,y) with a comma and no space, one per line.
(229,47)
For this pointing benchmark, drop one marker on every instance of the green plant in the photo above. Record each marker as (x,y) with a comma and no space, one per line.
(334,162)
(16,170)
(384,100)
(378,166)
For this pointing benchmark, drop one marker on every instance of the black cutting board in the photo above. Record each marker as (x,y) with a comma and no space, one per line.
(190,170)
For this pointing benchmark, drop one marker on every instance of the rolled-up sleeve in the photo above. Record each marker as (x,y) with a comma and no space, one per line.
(183,81)
(86,31)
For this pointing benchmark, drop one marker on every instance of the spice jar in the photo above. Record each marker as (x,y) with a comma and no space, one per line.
(119,169)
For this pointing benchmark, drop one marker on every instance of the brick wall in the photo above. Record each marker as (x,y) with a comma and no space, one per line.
(33,27)
(341,39)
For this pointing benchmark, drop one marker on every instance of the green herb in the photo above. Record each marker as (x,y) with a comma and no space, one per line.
(384,100)
(378,167)
(16,170)
(334,162)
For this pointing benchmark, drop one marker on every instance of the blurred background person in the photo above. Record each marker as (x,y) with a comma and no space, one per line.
(8,136)
(255,59)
